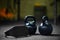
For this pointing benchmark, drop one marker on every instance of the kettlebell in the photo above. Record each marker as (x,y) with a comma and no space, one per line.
(45,28)
(30,23)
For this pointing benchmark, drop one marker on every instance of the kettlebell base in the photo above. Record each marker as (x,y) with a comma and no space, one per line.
(45,33)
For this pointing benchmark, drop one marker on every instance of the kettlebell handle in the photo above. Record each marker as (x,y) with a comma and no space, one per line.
(30,17)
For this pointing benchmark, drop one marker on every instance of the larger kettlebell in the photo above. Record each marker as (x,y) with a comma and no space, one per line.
(30,23)
(45,27)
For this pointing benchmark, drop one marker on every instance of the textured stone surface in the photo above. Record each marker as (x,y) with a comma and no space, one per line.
(55,35)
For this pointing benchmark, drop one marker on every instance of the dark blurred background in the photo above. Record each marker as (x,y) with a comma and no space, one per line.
(16,10)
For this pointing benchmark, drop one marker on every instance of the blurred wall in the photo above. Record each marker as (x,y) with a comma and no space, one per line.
(3,3)
(27,7)
(58,8)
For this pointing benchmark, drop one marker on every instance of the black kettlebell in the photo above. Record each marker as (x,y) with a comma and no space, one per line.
(30,23)
(45,27)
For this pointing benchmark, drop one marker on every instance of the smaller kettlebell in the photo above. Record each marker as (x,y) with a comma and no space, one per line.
(30,23)
(45,27)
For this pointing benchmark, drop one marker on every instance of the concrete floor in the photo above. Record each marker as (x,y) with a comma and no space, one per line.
(55,34)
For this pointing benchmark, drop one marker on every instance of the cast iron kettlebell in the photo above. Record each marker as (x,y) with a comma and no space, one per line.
(30,23)
(45,27)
